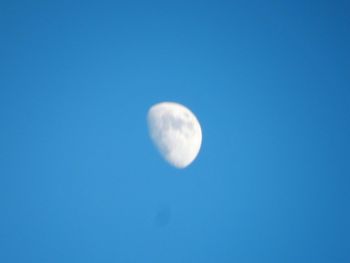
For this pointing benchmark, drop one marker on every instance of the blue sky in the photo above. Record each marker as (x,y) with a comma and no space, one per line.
(80,180)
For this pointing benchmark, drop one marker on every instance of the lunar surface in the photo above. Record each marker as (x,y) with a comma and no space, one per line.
(176,133)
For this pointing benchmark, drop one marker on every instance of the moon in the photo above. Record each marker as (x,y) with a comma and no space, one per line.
(176,133)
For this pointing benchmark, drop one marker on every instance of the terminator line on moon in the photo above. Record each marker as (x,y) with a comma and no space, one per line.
(176,133)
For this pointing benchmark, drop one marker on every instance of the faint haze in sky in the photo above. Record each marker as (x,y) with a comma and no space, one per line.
(163,216)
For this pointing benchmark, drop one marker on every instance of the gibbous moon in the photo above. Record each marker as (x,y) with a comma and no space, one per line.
(176,132)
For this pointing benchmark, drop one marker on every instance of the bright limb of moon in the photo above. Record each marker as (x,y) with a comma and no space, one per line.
(176,133)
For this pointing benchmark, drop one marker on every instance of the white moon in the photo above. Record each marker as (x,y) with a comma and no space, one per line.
(176,132)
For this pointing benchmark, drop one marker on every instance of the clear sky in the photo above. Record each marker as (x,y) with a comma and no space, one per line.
(80,180)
